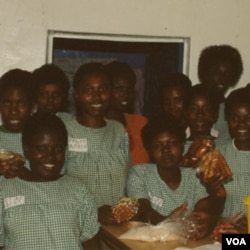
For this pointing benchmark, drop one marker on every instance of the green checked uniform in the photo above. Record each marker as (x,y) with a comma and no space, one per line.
(11,140)
(53,215)
(239,187)
(145,182)
(64,116)
(99,157)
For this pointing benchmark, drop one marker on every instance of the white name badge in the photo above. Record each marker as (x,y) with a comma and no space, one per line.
(13,201)
(78,145)
(156,200)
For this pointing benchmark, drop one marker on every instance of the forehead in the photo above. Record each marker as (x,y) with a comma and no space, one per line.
(93,78)
(164,135)
(14,91)
(45,135)
(173,90)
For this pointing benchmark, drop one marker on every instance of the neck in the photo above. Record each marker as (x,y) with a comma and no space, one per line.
(242,145)
(171,176)
(91,122)
(116,115)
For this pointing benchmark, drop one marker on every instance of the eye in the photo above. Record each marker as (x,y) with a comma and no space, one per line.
(41,149)
(156,147)
(59,149)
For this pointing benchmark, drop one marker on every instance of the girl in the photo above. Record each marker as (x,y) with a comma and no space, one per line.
(173,92)
(16,102)
(220,68)
(98,152)
(163,185)
(43,209)
(51,87)
(201,111)
(123,82)
(237,151)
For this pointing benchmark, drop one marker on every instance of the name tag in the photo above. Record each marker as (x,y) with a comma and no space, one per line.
(156,200)
(13,201)
(78,145)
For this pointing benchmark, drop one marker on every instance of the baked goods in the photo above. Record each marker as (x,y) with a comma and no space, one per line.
(126,209)
(213,163)
(10,157)
(197,149)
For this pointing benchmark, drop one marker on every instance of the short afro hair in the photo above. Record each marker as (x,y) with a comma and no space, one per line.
(161,124)
(217,54)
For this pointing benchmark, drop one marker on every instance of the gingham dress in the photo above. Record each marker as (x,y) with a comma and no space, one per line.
(239,187)
(11,141)
(46,215)
(100,158)
(145,182)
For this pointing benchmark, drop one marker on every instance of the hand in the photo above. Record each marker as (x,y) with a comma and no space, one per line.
(179,210)
(15,170)
(204,224)
(4,165)
(215,186)
(222,229)
(105,215)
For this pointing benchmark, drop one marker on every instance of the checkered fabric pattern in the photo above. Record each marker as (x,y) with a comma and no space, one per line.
(239,187)
(145,182)
(51,215)
(11,141)
(64,116)
(102,164)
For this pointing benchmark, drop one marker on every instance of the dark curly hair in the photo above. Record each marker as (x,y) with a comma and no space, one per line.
(89,69)
(18,78)
(236,97)
(161,124)
(40,122)
(117,69)
(217,54)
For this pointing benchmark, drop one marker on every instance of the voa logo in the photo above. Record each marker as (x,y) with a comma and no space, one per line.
(236,241)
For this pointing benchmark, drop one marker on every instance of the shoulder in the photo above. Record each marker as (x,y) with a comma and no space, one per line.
(143,169)
(115,125)
(137,120)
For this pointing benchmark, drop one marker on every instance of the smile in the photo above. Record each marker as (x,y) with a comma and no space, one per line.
(124,103)
(49,166)
(96,105)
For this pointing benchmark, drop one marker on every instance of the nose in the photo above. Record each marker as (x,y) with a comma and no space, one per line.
(14,109)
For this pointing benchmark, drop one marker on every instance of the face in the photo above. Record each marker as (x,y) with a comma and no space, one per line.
(239,123)
(45,153)
(15,108)
(122,95)
(93,95)
(173,102)
(50,98)
(219,77)
(166,150)
(200,116)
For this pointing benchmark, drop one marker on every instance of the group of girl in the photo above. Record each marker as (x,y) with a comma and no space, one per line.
(78,166)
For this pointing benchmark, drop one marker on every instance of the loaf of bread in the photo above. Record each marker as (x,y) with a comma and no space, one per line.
(126,209)
(197,149)
(10,158)
(213,163)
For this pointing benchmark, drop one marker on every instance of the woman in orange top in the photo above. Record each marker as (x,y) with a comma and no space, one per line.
(123,81)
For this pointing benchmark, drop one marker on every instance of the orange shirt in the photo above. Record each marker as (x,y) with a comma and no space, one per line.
(134,125)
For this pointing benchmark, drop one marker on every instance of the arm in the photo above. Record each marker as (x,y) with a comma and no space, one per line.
(207,211)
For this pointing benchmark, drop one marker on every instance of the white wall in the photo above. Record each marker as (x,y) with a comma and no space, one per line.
(24,25)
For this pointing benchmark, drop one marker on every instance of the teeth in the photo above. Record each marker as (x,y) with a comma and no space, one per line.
(14,121)
(124,103)
(242,131)
(96,105)
(48,165)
